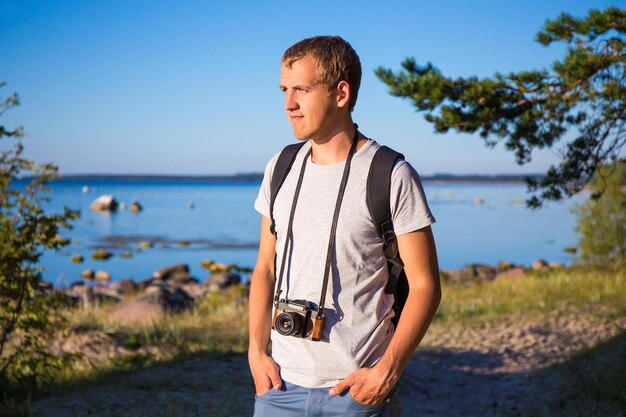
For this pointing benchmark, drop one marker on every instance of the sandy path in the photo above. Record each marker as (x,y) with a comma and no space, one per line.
(488,371)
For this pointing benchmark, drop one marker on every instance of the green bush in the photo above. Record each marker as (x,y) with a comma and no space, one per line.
(602,219)
(27,314)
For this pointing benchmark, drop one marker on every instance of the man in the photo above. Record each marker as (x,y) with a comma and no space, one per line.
(354,369)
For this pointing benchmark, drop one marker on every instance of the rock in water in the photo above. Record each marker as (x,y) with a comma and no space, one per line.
(101,255)
(135,206)
(104,203)
(87,274)
(103,277)
(77,259)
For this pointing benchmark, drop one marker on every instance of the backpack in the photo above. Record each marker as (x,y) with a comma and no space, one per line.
(379,203)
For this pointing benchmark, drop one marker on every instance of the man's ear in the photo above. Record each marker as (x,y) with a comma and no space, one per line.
(343,94)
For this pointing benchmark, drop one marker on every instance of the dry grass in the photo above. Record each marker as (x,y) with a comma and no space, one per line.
(585,290)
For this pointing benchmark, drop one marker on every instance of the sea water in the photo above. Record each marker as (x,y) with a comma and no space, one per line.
(476,223)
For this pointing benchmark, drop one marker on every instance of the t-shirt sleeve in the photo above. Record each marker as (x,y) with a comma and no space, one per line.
(262,202)
(409,208)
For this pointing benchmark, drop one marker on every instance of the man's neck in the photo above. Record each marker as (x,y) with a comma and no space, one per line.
(334,148)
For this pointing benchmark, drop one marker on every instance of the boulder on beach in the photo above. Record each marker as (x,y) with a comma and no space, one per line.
(539,264)
(104,203)
(194,290)
(222,280)
(137,312)
(171,271)
(177,277)
(471,274)
(158,300)
(512,273)
(123,286)
(172,300)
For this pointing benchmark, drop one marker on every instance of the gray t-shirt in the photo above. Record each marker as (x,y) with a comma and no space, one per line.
(357,329)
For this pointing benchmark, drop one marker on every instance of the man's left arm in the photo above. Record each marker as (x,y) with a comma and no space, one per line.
(371,385)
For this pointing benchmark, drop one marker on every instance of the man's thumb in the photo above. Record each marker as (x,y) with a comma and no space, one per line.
(341,386)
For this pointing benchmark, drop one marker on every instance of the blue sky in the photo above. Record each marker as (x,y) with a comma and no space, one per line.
(191,87)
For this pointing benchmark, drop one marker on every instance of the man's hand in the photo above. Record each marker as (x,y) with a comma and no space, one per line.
(265,372)
(369,386)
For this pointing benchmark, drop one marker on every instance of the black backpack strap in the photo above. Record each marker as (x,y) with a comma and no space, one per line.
(281,169)
(379,203)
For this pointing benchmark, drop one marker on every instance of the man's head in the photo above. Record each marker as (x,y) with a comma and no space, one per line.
(334,57)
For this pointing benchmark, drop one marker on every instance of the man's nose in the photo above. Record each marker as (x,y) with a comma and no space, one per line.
(290,101)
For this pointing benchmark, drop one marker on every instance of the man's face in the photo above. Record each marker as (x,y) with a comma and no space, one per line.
(311,110)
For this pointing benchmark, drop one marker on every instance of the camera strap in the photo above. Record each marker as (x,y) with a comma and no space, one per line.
(331,243)
(333,230)
(290,227)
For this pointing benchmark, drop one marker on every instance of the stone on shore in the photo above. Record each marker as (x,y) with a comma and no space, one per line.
(539,264)
(471,274)
(157,300)
(222,280)
(171,272)
(135,312)
(512,273)
(123,287)
(104,203)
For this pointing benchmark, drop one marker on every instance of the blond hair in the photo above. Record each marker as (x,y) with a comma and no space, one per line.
(334,57)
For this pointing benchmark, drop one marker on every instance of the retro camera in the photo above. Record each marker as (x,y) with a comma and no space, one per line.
(295,318)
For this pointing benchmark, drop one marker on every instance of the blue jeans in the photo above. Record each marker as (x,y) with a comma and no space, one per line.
(295,401)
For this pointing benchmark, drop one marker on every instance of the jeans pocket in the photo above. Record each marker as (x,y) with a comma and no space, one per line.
(365,406)
(265,394)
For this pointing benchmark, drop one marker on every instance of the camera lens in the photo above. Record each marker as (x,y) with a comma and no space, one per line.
(289,323)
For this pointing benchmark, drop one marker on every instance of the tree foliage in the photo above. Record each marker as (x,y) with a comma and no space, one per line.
(585,91)
(601,222)
(27,316)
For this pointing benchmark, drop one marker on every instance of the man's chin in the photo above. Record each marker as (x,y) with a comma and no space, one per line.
(300,135)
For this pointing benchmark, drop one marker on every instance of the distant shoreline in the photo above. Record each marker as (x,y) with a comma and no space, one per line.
(257,177)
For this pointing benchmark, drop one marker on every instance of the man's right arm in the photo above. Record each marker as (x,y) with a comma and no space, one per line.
(265,371)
